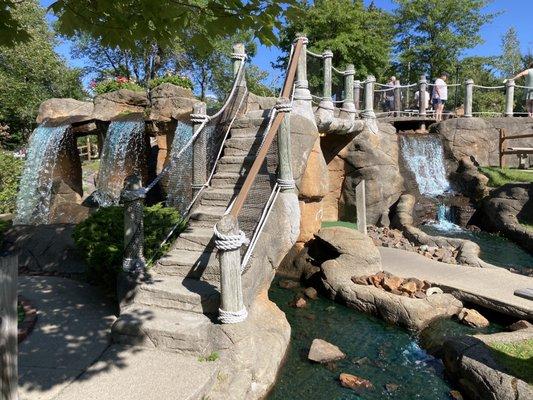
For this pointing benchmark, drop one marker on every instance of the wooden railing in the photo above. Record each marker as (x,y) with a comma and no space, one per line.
(521,152)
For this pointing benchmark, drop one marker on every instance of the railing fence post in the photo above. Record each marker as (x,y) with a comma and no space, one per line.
(357,94)
(199,148)
(285,177)
(8,328)
(469,92)
(132,196)
(369,97)
(360,204)
(422,93)
(348,103)
(302,96)
(239,57)
(232,309)
(509,97)
(397,99)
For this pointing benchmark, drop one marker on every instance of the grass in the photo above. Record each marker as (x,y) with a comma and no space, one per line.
(516,357)
(500,176)
(527,225)
(345,224)
(211,357)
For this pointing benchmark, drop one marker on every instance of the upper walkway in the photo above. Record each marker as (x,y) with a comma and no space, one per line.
(489,287)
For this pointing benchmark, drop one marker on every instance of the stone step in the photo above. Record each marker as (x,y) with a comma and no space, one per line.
(227,180)
(179,293)
(252,119)
(200,235)
(247,146)
(190,264)
(246,132)
(170,330)
(208,213)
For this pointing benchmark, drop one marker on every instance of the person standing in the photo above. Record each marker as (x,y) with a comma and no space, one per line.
(389,94)
(440,95)
(528,73)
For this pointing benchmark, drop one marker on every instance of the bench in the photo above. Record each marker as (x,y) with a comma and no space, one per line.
(521,152)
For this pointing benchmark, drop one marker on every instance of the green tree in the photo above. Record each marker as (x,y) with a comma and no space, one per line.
(432,34)
(510,62)
(354,33)
(32,72)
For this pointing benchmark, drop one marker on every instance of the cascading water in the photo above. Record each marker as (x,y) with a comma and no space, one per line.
(424,156)
(123,138)
(180,174)
(445,220)
(35,193)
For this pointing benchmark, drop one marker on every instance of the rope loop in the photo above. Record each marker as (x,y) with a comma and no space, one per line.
(305,40)
(230,242)
(199,118)
(232,317)
(286,184)
(239,56)
(283,106)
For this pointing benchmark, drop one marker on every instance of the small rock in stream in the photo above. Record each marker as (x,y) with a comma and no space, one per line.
(391,387)
(300,303)
(288,284)
(324,352)
(354,382)
(311,293)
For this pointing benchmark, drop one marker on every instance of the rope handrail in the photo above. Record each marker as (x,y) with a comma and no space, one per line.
(269,137)
(206,119)
(321,98)
(488,87)
(338,71)
(314,54)
(523,87)
(392,87)
(448,84)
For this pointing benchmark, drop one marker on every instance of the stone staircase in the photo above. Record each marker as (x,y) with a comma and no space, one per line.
(176,309)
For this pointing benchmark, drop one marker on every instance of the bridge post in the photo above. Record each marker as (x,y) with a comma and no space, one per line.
(239,57)
(199,149)
(302,104)
(509,97)
(397,99)
(229,240)
(422,92)
(357,94)
(132,196)
(368,112)
(285,178)
(348,104)
(469,92)
(326,108)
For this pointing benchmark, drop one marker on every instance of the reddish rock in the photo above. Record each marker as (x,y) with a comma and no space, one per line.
(300,303)
(456,395)
(392,283)
(473,318)
(354,382)
(409,287)
(311,293)
(361,280)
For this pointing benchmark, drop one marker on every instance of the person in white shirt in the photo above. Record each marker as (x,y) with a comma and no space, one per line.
(440,95)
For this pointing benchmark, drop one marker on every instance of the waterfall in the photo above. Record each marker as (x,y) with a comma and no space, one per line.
(180,173)
(424,156)
(35,193)
(123,145)
(445,220)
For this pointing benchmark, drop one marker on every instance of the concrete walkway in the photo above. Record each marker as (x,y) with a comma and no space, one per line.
(489,287)
(68,356)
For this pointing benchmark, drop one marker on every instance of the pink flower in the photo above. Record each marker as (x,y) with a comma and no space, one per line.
(92,84)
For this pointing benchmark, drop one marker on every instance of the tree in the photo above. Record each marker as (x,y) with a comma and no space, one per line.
(123,23)
(32,72)
(355,34)
(432,34)
(510,62)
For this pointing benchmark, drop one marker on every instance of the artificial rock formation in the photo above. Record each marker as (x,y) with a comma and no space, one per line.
(113,104)
(509,205)
(63,108)
(369,156)
(168,101)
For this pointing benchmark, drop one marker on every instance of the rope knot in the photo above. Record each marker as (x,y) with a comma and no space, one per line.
(286,184)
(239,56)
(232,317)
(283,105)
(199,118)
(230,242)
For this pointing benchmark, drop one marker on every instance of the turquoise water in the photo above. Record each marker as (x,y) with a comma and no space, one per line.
(381,353)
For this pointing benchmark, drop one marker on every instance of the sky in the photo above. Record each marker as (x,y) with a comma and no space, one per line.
(516,13)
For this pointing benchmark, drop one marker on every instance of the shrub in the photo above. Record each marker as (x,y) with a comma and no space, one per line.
(100,238)
(111,85)
(182,81)
(10,172)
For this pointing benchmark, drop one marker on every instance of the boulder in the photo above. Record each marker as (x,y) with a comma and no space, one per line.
(469,180)
(324,352)
(255,102)
(472,318)
(392,283)
(111,105)
(311,293)
(354,382)
(506,207)
(168,101)
(521,324)
(64,108)
(300,303)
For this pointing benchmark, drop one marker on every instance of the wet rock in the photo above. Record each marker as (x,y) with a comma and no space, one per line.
(456,395)
(354,382)
(472,318)
(300,303)
(392,283)
(522,324)
(324,352)
(288,284)
(311,293)
(391,387)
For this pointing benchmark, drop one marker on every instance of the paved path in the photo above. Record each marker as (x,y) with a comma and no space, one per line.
(68,355)
(490,287)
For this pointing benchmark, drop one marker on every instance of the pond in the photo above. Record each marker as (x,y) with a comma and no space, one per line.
(388,356)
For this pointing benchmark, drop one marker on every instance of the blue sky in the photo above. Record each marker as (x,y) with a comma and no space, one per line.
(517,13)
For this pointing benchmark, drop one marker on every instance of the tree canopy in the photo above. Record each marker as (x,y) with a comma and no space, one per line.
(510,61)
(355,34)
(432,34)
(32,72)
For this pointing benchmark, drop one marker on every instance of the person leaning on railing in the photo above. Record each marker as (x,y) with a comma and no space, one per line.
(528,73)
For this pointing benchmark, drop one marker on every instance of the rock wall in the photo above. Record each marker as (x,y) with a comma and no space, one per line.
(478,138)
(369,156)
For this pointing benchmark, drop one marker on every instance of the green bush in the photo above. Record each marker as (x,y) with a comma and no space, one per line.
(182,81)
(100,238)
(111,85)
(10,171)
